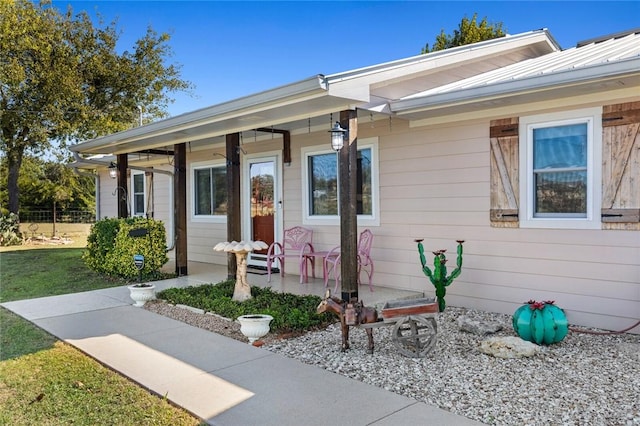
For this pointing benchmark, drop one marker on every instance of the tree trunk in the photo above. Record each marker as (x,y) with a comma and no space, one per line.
(14,162)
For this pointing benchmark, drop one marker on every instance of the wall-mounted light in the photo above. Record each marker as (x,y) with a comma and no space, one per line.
(113,170)
(337,136)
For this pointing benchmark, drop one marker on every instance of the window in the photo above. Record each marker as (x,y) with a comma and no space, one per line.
(561,173)
(209,191)
(138,193)
(560,170)
(321,189)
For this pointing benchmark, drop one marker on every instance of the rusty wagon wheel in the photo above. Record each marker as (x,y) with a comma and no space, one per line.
(415,336)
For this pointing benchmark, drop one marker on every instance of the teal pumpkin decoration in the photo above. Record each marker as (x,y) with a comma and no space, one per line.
(540,322)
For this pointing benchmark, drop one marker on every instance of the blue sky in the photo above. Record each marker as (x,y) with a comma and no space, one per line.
(236,48)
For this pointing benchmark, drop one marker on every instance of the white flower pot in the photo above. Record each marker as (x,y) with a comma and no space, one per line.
(254,326)
(143,294)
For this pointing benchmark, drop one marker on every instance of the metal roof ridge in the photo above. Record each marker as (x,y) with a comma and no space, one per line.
(599,39)
(432,56)
(530,83)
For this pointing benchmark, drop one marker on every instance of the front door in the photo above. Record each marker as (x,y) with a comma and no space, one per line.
(262,204)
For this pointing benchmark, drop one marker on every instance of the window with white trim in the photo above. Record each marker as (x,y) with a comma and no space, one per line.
(209,191)
(321,184)
(138,193)
(561,169)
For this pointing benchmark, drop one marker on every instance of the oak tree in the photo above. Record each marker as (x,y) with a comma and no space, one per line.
(469,31)
(62,80)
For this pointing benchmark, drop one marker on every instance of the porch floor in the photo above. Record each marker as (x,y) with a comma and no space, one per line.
(207,273)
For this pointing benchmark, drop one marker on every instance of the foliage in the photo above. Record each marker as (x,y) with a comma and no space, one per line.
(62,79)
(469,31)
(44,183)
(63,386)
(110,248)
(50,271)
(10,234)
(438,276)
(290,312)
(540,322)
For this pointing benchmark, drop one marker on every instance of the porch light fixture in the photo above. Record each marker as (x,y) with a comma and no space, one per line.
(337,136)
(113,170)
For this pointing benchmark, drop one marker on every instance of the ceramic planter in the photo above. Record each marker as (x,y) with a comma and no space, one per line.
(142,294)
(254,326)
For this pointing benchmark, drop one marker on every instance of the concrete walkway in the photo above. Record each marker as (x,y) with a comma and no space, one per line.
(221,380)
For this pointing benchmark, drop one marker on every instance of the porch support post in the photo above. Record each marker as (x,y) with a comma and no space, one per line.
(348,214)
(180,206)
(234,231)
(121,189)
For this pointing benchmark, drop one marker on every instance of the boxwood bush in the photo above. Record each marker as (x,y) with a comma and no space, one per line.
(110,247)
(290,312)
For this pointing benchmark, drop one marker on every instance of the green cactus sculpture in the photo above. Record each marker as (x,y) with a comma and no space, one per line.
(540,322)
(438,276)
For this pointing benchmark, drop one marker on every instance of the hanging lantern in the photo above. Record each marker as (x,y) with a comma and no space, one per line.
(337,136)
(113,170)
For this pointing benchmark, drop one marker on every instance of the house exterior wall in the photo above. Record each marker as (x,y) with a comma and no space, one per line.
(108,201)
(434,183)
(163,204)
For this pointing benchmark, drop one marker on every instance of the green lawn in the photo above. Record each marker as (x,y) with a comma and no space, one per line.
(46,382)
(26,274)
(61,386)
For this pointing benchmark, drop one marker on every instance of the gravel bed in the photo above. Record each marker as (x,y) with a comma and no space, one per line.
(586,379)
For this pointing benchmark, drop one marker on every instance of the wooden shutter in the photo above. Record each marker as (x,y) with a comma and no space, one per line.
(621,166)
(504,173)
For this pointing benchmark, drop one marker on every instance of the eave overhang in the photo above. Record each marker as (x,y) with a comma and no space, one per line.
(595,78)
(263,109)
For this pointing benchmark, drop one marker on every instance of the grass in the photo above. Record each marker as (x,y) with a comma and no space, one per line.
(27,274)
(19,337)
(60,386)
(46,382)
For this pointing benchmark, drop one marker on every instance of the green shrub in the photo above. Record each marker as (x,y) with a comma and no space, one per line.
(110,248)
(290,312)
(10,234)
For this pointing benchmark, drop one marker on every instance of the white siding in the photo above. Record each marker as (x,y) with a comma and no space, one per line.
(108,201)
(163,204)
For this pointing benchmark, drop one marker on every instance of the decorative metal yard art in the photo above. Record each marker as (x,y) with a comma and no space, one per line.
(414,325)
(242,289)
(438,276)
(540,322)
(351,314)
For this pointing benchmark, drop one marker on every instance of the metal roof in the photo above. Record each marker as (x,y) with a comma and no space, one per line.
(617,57)
(307,104)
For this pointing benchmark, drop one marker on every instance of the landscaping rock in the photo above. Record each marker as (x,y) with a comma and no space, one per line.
(508,347)
(481,328)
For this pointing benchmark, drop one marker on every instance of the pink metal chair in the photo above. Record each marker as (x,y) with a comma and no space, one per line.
(332,260)
(295,243)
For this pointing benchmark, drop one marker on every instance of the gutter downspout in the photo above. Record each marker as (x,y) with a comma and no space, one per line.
(143,169)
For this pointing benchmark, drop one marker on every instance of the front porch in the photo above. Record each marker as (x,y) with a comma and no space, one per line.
(208,273)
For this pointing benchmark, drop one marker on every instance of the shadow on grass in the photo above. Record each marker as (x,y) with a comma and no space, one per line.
(19,337)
